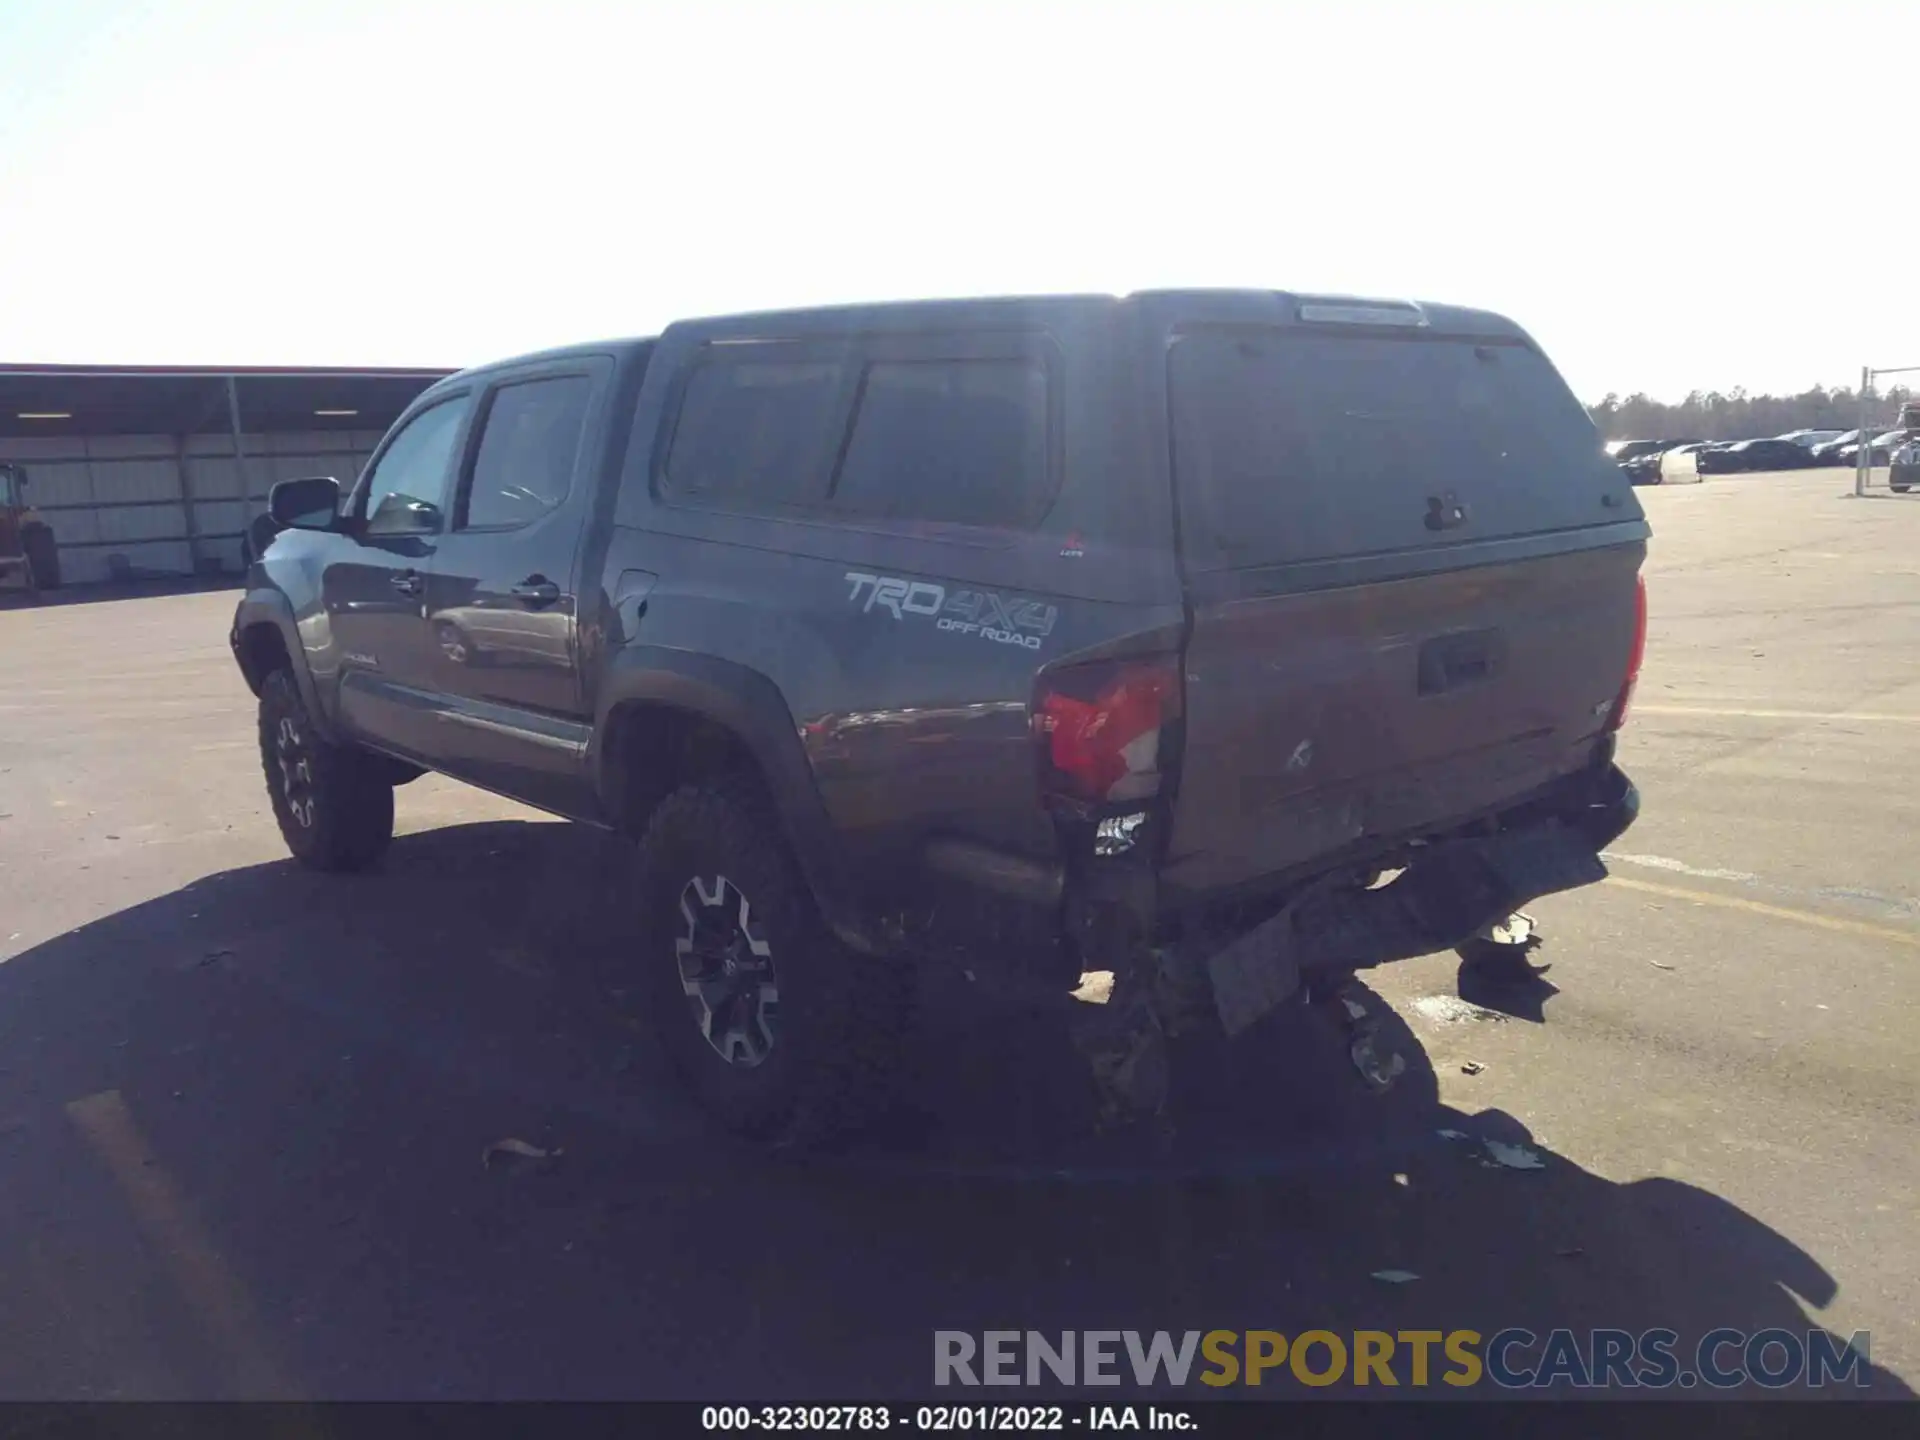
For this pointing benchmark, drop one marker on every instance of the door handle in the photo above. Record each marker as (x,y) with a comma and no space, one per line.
(536,591)
(407,582)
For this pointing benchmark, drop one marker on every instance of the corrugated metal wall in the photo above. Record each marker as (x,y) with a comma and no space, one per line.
(155,504)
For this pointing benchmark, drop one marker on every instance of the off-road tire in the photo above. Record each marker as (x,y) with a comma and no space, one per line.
(43,556)
(842,1016)
(337,812)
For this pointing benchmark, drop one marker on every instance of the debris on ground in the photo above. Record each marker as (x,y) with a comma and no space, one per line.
(1123,1042)
(1395,1277)
(1661,965)
(1513,1157)
(1096,987)
(1570,1252)
(1452,1010)
(213,955)
(518,1149)
(1378,1066)
(1498,953)
(1517,929)
(1471,1067)
(1499,1155)
(1378,1070)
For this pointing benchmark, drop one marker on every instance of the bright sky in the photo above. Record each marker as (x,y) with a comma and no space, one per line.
(1663,194)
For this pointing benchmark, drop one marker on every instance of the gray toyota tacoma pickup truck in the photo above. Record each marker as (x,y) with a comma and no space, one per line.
(1231,642)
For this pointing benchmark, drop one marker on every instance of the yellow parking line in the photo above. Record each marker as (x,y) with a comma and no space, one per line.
(1772,912)
(205,1281)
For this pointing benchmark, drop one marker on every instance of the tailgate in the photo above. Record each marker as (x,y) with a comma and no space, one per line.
(1411,578)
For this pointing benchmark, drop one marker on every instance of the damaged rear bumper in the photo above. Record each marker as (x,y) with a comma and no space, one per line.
(1451,890)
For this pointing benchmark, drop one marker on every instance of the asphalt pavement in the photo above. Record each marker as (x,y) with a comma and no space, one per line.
(245,1110)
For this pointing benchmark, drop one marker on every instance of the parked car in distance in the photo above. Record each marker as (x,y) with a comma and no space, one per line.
(1881,449)
(1826,451)
(1625,452)
(1807,439)
(1620,451)
(895,633)
(1905,460)
(1844,450)
(1681,465)
(1745,455)
(1639,460)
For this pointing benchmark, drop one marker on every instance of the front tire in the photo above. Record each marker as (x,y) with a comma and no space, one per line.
(334,805)
(778,1027)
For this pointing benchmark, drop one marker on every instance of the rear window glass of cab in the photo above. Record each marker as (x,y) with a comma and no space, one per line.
(960,439)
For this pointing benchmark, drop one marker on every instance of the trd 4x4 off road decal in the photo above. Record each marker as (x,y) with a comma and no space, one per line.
(992,617)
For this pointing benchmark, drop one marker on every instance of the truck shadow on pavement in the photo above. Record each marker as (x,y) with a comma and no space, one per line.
(144,588)
(242,1129)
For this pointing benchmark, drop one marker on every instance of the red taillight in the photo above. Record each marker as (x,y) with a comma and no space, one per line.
(1100,728)
(1637,654)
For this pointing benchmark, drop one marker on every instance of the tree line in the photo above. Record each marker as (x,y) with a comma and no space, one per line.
(1736,415)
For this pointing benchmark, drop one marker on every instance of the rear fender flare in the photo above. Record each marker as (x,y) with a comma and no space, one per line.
(751,707)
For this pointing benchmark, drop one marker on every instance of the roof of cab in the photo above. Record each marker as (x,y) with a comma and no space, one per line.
(537,357)
(1168,307)
(1269,307)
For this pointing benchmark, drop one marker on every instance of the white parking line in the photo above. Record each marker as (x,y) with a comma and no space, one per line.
(1680,867)
(1744,714)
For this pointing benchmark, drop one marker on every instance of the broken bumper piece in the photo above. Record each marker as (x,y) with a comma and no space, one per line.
(1453,890)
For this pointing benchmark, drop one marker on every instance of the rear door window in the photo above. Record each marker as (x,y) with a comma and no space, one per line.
(754,431)
(960,441)
(528,444)
(1305,445)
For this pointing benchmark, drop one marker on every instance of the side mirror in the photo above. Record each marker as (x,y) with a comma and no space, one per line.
(305,504)
(399,514)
